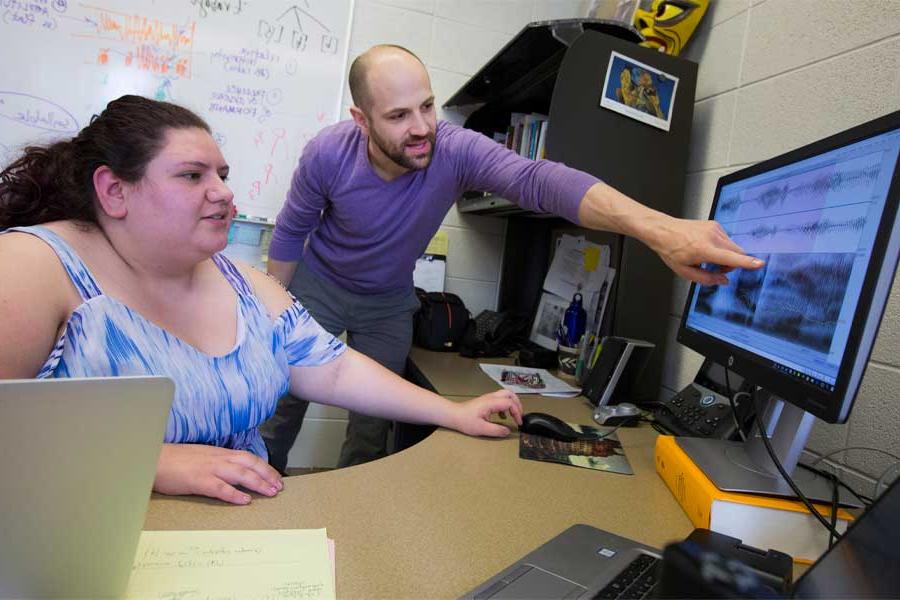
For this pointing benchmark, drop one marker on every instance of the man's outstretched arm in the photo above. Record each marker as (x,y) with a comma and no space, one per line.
(682,244)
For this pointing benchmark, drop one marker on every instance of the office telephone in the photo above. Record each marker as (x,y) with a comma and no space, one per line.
(702,409)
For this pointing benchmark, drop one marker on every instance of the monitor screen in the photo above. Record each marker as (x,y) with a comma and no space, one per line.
(822,218)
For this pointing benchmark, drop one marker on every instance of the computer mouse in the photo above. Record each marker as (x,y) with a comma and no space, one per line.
(617,414)
(548,426)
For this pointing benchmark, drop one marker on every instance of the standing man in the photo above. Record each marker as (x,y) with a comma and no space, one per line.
(368,195)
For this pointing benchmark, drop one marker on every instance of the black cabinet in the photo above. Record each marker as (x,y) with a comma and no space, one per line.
(564,78)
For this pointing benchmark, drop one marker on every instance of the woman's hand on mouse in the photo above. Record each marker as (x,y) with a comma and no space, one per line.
(474,416)
(214,472)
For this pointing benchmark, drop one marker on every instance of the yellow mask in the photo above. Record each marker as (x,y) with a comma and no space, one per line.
(667,25)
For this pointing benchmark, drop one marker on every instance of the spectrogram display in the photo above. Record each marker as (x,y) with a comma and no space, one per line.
(814,223)
(795,297)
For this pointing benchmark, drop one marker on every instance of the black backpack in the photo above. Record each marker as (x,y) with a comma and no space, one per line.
(440,321)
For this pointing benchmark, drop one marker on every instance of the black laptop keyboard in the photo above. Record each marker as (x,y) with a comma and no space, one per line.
(637,580)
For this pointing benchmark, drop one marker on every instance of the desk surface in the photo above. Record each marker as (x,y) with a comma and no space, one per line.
(440,517)
(453,375)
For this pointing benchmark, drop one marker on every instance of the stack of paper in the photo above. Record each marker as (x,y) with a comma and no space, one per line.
(281,563)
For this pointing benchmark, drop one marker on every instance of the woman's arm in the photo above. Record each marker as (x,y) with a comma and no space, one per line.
(356,382)
(36,298)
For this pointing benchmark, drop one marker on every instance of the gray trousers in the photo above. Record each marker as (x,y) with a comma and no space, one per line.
(377,325)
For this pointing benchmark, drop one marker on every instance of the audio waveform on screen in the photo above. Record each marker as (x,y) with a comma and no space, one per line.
(807,189)
(795,297)
(810,229)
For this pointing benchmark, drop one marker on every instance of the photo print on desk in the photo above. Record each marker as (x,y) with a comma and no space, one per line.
(604,454)
(532,381)
(528,380)
(639,91)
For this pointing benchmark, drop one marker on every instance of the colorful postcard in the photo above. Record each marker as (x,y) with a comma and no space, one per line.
(639,91)
(601,454)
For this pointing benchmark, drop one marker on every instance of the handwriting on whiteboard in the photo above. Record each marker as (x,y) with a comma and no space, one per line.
(33,13)
(227,7)
(246,61)
(140,42)
(245,101)
(35,112)
(295,27)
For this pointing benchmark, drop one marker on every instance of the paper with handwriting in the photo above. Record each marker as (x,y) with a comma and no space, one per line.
(225,565)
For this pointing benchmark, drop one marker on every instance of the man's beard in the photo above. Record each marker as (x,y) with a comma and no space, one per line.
(396,154)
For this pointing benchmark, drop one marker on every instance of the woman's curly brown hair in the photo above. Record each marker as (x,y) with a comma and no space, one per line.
(55,182)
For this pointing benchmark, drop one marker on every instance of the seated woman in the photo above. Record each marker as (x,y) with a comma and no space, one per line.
(110,266)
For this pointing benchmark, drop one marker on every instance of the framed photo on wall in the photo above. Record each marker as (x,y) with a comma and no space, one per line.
(639,91)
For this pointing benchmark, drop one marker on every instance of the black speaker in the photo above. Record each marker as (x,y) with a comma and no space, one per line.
(613,377)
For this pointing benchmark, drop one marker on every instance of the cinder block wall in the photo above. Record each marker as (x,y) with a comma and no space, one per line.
(774,75)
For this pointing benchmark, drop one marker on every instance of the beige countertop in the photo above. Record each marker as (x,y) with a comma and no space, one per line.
(438,518)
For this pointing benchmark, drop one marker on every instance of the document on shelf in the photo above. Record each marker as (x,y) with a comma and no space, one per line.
(429,273)
(528,380)
(578,266)
(271,564)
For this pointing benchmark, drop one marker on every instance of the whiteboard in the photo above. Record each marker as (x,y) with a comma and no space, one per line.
(266,75)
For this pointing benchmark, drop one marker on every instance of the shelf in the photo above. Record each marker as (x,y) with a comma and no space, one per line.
(524,70)
(494,206)
(487,205)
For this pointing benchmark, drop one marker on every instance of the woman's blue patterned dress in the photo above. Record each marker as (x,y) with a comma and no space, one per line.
(219,400)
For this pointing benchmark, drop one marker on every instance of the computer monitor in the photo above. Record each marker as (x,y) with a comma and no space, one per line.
(824,219)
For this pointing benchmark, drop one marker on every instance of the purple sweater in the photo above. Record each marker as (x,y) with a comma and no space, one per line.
(365,233)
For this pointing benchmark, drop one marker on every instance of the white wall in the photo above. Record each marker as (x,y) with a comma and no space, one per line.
(774,75)
(454,38)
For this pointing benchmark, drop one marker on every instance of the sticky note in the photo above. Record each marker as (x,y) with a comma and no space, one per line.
(591,258)
(439,244)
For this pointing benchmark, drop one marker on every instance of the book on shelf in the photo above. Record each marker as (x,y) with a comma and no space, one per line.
(530,139)
(541,151)
(526,134)
(516,122)
(760,521)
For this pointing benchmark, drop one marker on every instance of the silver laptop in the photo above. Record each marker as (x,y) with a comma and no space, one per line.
(77,468)
(581,562)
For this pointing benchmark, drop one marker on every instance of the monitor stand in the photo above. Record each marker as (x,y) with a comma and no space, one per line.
(747,468)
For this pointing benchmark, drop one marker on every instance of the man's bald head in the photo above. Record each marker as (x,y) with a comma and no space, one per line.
(369,61)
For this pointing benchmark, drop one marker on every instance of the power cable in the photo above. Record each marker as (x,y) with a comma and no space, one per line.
(765,438)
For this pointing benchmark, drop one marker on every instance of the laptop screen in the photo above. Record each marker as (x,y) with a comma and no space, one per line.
(864,563)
